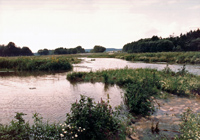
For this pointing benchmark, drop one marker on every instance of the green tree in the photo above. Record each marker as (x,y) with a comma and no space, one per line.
(61,50)
(80,49)
(12,50)
(98,49)
(43,52)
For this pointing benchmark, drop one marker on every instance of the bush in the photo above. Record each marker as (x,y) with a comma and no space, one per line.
(17,130)
(138,97)
(98,120)
(190,126)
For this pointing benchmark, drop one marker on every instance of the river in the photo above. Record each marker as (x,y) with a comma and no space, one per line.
(51,95)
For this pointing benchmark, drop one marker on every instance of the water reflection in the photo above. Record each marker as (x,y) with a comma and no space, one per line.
(26,73)
(49,95)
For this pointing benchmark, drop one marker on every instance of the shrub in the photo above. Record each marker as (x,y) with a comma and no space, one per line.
(190,126)
(17,130)
(98,120)
(138,97)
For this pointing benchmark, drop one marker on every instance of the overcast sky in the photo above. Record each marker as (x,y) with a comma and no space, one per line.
(50,24)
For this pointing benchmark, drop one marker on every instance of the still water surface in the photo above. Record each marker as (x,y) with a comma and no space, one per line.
(51,95)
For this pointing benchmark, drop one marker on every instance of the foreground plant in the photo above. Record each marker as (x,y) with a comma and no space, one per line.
(93,121)
(138,97)
(87,121)
(190,126)
(17,130)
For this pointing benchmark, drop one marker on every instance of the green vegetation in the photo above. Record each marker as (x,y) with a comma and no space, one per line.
(51,63)
(142,84)
(190,126)
(12,50)
(62,50)
(43,52)
(98,119)
(170,57)
(98,49)
(149,45)
(187,42)
(88,120)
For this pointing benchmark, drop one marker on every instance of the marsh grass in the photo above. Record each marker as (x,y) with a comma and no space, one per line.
(169,57)
(141,84)
(179,83)
(48,63)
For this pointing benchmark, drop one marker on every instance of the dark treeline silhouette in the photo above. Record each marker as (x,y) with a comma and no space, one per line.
(185,42)
(12,50)
(62,50)
(98,49)
(43,52)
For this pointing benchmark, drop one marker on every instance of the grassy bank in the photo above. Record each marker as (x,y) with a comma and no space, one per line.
(142,84)
(180,83)
(38,63)
(169,57)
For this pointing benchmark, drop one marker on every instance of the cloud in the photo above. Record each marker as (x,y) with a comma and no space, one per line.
(195,7)
(172,1)
(111,23)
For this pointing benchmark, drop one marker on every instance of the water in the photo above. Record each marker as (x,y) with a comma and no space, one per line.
(112,63)
(51,95)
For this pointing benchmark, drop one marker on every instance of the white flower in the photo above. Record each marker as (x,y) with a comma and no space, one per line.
(65,132)
(63,129)
(76,135)
(61,135)
(83,128)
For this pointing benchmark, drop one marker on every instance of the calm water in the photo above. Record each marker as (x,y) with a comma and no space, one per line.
(51,95)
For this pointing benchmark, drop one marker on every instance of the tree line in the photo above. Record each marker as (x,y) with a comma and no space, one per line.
(12,50)
(78,49)
(61,50)
(185,42)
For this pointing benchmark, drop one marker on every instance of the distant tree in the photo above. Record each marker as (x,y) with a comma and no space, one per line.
(80,49)
(2,47)
(193,45)
(155,38)
(60,50)
(43,52)
(73,50)
(98,49)
(12,50)
(165,46)
(26,51)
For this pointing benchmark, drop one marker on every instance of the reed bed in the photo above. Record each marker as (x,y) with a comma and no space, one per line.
(38,63)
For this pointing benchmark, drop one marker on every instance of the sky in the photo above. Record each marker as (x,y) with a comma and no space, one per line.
(50,24)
